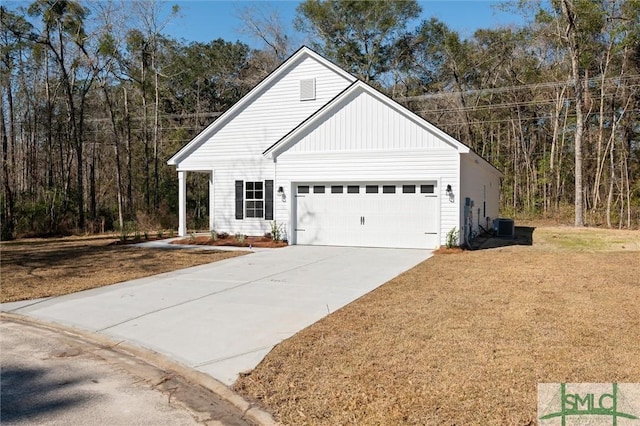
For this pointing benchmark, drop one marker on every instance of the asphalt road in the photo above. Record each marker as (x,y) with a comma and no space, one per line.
(51,378)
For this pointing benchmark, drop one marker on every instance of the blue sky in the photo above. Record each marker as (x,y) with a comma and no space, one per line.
(206,20)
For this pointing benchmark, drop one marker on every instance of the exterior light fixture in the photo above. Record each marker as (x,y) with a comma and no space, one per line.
(452,197)
(281,193)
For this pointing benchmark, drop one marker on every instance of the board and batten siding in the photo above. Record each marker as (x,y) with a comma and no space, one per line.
(270,116)
(481,183)
(439,165)
(362,122)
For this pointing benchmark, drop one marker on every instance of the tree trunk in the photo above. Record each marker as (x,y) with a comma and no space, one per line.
(93,205)
(599,160)
(116,148)
(145,138)
(127,119)
(50,180)
(574,53)
(8,225)
(156,124)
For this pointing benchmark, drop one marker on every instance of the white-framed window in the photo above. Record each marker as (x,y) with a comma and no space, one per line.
(254,199)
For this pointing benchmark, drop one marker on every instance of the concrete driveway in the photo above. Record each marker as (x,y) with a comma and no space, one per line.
(223,318)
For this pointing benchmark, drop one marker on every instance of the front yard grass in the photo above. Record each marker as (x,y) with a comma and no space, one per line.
(465,338)
(33,268)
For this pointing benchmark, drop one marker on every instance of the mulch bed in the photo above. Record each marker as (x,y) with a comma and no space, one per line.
(232,241)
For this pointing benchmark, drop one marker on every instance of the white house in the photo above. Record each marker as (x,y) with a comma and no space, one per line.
(335,162)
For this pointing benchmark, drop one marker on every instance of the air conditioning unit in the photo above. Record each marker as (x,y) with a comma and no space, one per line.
(504,228)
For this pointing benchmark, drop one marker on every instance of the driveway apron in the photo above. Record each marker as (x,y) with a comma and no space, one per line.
(224,317)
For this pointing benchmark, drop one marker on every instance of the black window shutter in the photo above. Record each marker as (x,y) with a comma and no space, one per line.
(239,199)
(268,200)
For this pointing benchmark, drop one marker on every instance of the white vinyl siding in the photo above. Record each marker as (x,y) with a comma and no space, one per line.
(270,116)
(481,184)
(251,169)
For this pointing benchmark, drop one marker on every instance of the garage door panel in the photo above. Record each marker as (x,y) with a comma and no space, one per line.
(367,219)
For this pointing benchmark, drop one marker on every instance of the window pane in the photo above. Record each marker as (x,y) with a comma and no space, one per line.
(303,189)
(409,189)
(372,189)
(337,189)
(353,189)
(254,209)
(318,189)
(254,191)
(388,189)
(427,189)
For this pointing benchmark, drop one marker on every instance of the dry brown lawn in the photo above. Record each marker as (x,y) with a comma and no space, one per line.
(34,268)
(465,338)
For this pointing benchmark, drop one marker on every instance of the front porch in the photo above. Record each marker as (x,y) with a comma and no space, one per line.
(182,199)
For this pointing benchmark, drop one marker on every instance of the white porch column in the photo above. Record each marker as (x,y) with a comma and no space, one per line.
(211,198)
(182,204)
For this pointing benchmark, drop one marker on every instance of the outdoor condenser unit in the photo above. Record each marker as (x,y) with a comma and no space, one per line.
(504,228)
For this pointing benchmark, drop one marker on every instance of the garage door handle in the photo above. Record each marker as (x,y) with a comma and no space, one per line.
(363,220)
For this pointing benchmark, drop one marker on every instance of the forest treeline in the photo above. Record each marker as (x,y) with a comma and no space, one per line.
(96,96)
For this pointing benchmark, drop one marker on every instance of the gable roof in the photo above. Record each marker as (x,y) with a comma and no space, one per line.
(328,109)
(287,65)
(335,103)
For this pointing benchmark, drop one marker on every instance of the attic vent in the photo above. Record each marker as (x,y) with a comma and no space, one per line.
(308,89)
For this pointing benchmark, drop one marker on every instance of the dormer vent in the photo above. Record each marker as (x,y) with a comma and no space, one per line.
(308,89)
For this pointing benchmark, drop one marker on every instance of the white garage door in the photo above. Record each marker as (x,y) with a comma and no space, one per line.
(403,215)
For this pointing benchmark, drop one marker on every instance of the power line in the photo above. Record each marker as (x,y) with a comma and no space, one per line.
(619,80)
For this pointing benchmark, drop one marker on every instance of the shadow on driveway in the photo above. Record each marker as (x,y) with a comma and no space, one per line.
(29,393)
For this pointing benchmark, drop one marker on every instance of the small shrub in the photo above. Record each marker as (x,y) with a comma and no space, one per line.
(192,237)
(452,238)
(214,235)
(171,233)
(276,231)
(160,233)
(146,235)
(127,230)
(136,236)
(240,237)
(223,235)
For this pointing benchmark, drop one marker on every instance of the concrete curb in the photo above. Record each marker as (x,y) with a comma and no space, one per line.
(155,359)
